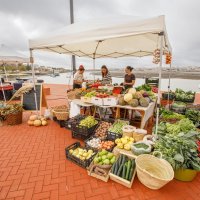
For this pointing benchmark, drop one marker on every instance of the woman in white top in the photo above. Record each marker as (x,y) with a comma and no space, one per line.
(78,77)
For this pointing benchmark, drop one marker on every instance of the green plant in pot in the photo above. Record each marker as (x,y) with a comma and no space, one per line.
(181,151)
(12,113)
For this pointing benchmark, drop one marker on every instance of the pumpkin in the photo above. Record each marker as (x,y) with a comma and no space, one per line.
(44,122)
(30,123)
(37,122)
(127,97)
(33,117)
(132,91)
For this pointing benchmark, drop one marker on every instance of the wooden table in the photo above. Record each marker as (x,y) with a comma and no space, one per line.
(146,112)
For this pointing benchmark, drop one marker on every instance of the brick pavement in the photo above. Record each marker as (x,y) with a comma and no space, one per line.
(33,166)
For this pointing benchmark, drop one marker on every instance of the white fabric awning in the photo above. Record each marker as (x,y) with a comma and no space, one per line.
(122,36)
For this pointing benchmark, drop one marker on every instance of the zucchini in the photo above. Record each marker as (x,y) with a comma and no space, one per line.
(120,170)
(116,168)
(124,159)
(128,169)
(113,168)
(124,172)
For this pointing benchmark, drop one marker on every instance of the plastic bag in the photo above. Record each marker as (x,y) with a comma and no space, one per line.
(141,150)
(74,110)
(47,113)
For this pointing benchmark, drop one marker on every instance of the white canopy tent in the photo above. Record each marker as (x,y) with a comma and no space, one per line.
(122,36)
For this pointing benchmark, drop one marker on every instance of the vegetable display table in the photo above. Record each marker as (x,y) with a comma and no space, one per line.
(146,112)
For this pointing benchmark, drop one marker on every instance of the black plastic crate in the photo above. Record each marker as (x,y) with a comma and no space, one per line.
(99,124)
(77,118)
(77,161)
(167,95)
(113,136)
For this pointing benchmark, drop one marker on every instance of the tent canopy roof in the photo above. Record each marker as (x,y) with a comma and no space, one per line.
(122,36)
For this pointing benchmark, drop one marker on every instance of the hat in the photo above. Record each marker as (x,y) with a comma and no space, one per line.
(81,67)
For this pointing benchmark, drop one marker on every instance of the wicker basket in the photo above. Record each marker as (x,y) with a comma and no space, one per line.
(153,172)
(60,112)
(14,119)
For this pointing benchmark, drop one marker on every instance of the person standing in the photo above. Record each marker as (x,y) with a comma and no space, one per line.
(106,76)
(78,77)
(129,78)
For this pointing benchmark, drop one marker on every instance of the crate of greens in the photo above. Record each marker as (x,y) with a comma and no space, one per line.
(116,130)
(85,128)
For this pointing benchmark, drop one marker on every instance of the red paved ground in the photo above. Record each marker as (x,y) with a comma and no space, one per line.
(33,166)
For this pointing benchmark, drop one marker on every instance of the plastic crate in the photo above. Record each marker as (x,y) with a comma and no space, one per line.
(113,136)
(69,122)
(88,146)
(77,161)
(99,124)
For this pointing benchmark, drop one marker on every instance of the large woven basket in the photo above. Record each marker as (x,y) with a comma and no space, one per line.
(153,172)
(61,112)
(14,119)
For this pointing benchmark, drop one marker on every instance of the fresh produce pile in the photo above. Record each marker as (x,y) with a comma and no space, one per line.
(90,94)
(184,125)
(82,154)
(88,122)
(94,143)
(101,131)
(184,96)
(124,143)
(181,150)
(135,98)
(144,87)
(193,115)
(102,163)
(104,158)
(179,107)
(37,121)
(107,145)
(124,167)
(117,127)
(170,95)
(167,115)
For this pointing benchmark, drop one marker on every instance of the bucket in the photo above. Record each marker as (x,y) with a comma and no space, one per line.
(185,174)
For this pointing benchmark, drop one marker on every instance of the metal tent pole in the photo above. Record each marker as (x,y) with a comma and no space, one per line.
(169,83)
(72,21)
(4,67)
(160,76)
(33,75)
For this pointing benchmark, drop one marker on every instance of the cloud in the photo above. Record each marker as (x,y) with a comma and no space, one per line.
(24,19)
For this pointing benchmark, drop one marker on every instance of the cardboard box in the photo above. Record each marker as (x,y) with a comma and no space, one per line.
(122,181)
(97,101)
(86,99)
(110,101)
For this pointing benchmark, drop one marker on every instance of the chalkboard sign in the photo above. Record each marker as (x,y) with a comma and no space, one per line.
(28,100)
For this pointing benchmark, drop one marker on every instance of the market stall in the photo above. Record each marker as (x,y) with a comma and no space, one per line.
(124,36)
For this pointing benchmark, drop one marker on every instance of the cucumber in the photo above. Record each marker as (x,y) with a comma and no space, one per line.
(120,170)
(124,172)
(128,169)
(124,159)
(120,159)
(131,174)
(116,168)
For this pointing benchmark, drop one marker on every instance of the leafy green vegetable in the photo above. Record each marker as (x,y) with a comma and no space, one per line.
(193,115)
(184,96)
(144,87)
(180,150)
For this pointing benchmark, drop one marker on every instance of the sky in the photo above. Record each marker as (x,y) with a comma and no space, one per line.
(21,20)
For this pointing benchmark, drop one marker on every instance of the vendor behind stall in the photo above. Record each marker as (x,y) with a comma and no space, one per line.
(78,77)
(129,78)
(106,77)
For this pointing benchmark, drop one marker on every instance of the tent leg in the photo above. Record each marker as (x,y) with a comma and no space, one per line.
(3,91)
(94,68)
(160,76)
(5,72)
(169,84)
(33,75)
